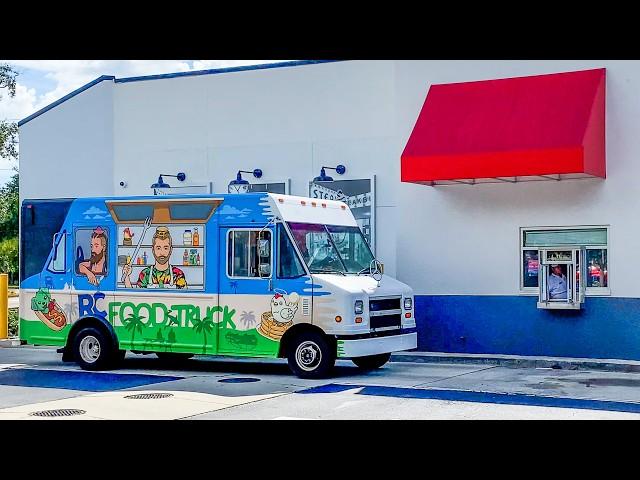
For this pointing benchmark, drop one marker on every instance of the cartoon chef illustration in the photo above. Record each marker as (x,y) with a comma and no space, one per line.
(161,274)
(280,318)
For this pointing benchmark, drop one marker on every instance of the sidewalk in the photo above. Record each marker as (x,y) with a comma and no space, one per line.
(519,361)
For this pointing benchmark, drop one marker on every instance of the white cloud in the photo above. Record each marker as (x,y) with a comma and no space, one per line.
(18,107)
(68,75)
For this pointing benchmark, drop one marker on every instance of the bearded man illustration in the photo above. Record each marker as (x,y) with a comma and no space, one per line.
(161,274)
(96,265)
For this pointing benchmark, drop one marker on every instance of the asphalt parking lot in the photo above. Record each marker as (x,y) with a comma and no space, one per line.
(34,380)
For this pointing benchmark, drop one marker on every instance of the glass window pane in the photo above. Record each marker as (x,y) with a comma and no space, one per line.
(530,265)
(580,237)
(240,264)
(244,260)
(127,213)
(57,263)
(597,275)
(289,265)
(352,247)
(190,211)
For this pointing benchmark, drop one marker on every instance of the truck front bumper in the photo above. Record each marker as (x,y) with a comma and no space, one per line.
(374,346)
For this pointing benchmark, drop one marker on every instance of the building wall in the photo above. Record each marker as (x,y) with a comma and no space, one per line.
(68,151)
(465,266)
(287,121)
(457,246)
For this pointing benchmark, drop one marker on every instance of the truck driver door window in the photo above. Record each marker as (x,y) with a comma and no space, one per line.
(289,265)
(243,256)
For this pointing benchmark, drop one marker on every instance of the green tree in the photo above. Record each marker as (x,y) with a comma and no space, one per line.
(8,130)
(9,258)
(9,202)
(9,207)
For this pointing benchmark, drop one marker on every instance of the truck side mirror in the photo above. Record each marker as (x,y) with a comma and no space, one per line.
(264,269)
(264,247)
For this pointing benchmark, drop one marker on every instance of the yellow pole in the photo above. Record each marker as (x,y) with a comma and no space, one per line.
(4,306)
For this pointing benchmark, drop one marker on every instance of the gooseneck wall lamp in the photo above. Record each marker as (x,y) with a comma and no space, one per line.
(340,169)
(162,184)
(239,184)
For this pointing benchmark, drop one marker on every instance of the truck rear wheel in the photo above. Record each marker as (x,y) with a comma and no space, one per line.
(93,350)
(310,355)
(371,362)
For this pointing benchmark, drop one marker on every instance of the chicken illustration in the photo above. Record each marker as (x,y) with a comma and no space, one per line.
(127,237)
(282,310)
(280,318)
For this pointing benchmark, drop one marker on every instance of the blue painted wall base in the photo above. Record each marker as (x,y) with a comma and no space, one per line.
(512,325)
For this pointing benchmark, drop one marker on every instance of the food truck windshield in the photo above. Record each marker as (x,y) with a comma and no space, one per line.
(332,248)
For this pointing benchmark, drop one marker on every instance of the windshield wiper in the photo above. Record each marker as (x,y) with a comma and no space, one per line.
(329,271)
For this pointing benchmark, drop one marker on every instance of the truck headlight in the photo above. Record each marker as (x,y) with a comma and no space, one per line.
(358,307)
(408,303)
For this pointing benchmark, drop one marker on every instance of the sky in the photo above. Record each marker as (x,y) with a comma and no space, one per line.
(41,82)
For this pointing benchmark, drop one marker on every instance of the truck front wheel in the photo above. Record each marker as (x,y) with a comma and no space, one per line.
(310,355)
(371,362)
(92,349)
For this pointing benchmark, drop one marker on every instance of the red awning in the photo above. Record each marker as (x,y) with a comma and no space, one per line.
(514,129)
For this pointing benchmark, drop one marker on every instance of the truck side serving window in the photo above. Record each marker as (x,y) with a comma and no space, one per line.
(242,253)
(289,265)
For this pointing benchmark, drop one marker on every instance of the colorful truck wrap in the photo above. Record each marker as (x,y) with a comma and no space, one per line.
(254,275)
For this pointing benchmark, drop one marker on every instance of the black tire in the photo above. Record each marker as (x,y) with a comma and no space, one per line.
(371,362)
(93,350)
(311,355)
(173,356)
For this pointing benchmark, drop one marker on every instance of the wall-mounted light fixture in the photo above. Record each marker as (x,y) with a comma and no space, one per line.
(340,169)
(239,184)
(162,184)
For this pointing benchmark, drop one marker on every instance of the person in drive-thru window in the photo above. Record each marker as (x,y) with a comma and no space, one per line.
(557,283)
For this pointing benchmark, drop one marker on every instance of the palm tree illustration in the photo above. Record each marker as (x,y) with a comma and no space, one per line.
(134,323)
(234,285)
(172,320)
(204,326)
(248,319)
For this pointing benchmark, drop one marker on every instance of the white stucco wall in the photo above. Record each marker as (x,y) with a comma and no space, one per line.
(287,121)
(469,235)
(68,151)
(291,121)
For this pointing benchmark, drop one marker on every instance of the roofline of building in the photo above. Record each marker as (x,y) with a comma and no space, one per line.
(214,71)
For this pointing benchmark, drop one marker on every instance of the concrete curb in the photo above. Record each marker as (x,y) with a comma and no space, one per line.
(10,343)
(516,361)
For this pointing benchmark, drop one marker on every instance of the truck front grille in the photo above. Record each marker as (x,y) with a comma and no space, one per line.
(383,321)
(385,312)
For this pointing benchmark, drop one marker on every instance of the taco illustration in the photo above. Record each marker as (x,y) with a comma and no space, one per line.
(48,310)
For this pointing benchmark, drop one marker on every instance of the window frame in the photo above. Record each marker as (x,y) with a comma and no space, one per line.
(247,229)
(282,227)
(589,291)
(54,250)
